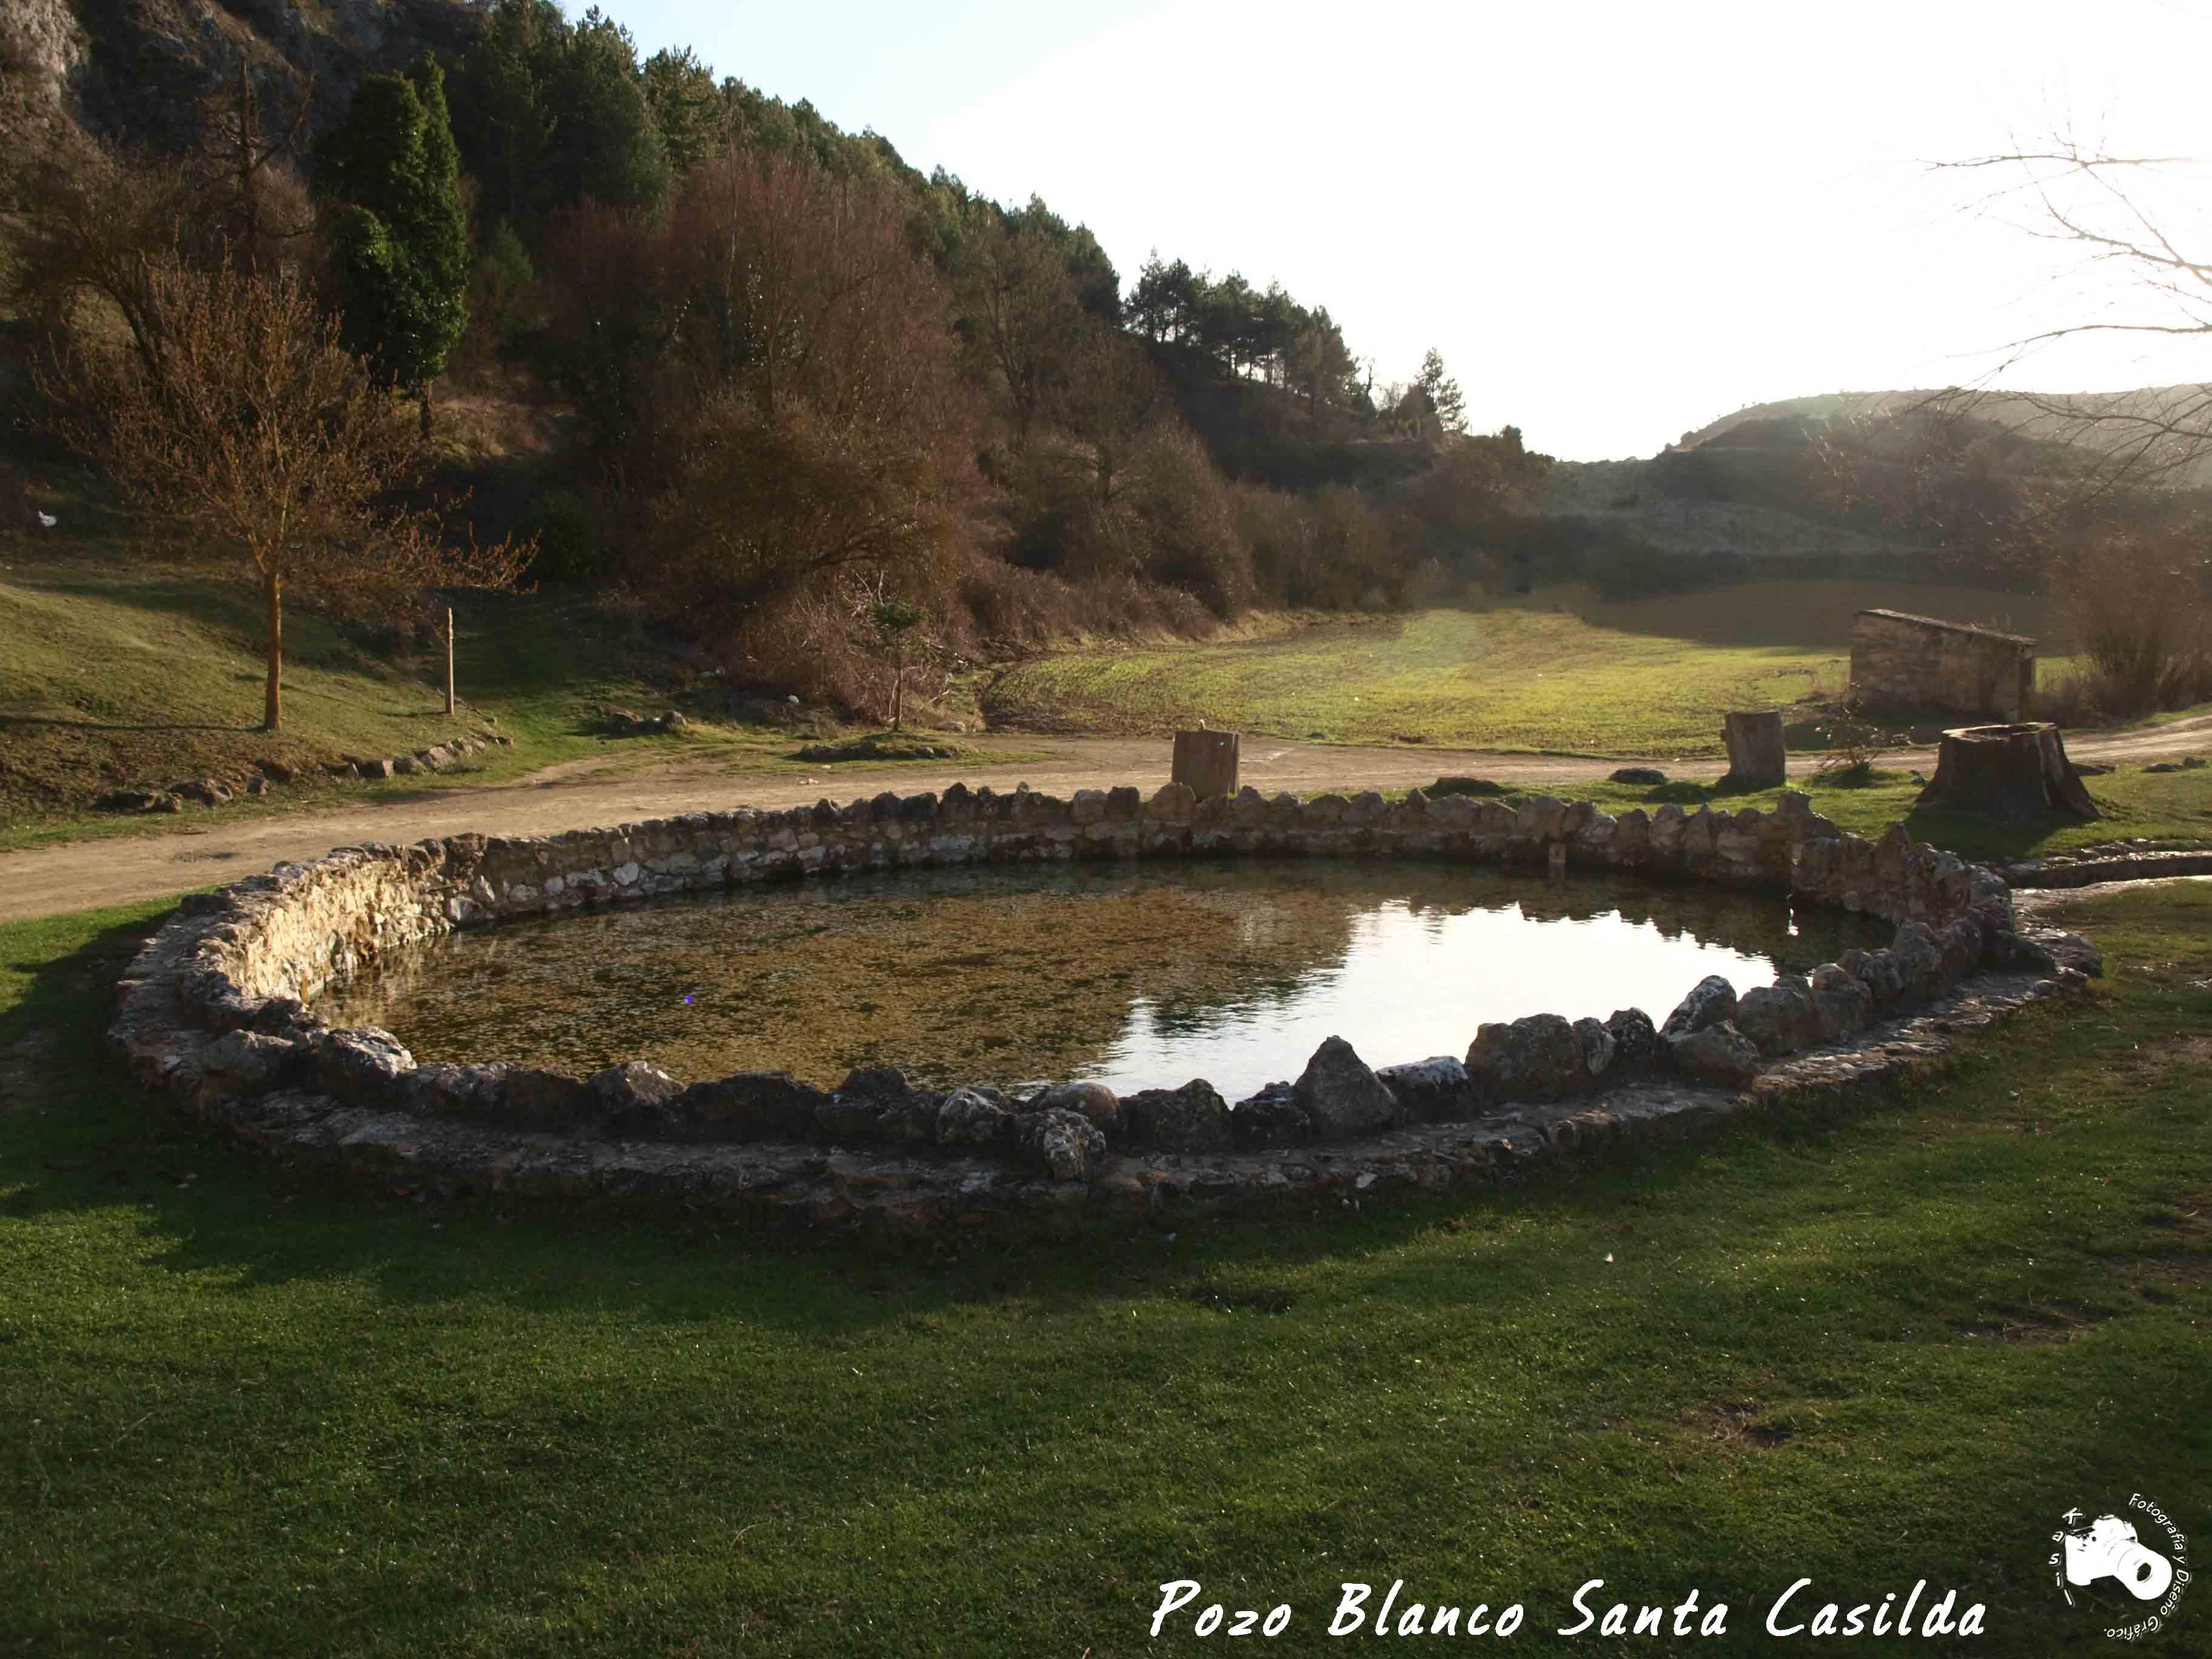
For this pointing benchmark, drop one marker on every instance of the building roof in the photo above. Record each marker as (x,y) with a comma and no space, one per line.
(1949,627)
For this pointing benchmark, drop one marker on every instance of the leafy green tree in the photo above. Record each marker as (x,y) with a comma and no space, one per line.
(1164,305)
(499,289)
(1096,285)
(605,145)
(400,235)
(1441,392)
(892,631)
(1317,366)
(504,110)
(550,112)
(687,107)
(1224,318)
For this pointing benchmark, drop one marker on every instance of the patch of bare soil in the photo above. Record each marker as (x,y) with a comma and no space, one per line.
(2029,1327)
(1741,1424)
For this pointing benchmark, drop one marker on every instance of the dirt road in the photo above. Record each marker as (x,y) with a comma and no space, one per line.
(77,876)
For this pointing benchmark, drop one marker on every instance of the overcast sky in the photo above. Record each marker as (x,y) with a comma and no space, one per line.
(1617,222)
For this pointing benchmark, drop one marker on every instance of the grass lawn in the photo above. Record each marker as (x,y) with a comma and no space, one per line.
(1647,679)
(249,1414)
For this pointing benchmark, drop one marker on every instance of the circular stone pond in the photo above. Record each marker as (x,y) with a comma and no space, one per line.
(981,944)
(1131,975)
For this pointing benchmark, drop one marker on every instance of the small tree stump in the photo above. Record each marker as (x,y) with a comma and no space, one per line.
(1206,761)
(2018,771)
(1754,748)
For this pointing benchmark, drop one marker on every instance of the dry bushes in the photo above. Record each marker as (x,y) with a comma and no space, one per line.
(1164,515)
(793,438)
(1014,612)
(2139,605)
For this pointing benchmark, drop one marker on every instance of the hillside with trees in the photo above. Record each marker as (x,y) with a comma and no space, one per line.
(775,378)
(797,377)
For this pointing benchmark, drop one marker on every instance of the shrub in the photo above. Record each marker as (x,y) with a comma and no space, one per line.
(2139,604)
(570,547)
(1189,525)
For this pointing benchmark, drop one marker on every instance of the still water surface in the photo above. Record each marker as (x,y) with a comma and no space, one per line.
(1138,976)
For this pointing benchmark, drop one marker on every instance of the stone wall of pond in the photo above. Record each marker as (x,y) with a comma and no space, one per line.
(213,1009)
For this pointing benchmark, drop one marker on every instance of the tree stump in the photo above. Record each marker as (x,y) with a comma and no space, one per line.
(1754,749)
(2018,771)
(1206,761)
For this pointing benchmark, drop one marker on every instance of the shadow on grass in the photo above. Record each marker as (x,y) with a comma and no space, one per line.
(7,720)
(1979,835)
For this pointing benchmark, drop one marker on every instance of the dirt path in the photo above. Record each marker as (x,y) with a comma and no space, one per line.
(51,880)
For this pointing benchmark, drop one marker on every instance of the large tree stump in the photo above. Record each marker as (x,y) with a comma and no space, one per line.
(1754,749)
(1206,761)
(2018,771)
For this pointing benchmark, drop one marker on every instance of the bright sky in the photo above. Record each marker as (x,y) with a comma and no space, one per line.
(1618,223)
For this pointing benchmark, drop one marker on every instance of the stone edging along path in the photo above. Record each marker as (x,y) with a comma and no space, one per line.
(2089,868)
(211,1011)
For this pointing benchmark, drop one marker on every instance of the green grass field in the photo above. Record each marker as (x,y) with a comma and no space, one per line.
(117,671)
(248,1414)
(1648,678)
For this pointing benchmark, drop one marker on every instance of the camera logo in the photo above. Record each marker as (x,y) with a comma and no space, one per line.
(2139,1553)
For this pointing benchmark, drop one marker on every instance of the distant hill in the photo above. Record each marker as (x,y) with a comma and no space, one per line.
(2096,417)
(1744,495)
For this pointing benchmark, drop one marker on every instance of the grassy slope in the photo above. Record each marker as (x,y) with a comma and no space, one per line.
(115,670)
(1642,678)
(248,1415)
(114,674)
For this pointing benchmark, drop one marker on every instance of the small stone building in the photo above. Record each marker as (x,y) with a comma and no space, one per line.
(1899,661)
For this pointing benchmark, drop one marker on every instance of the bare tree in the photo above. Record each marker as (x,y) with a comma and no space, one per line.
(247,190)
(2112,518)
(253,428)
(87,220)
(1025,318)
(1112,398)
(2104,207)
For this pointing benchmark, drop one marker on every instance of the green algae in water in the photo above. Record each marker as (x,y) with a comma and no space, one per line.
(1137,975)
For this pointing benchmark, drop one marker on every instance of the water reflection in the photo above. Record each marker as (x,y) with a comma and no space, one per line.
(1136,976)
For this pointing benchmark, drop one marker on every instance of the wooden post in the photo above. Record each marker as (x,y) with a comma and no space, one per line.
(2018,771)
(449,660)
(1754,748)
(1206,761)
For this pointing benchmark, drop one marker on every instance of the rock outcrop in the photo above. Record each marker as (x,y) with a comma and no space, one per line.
(138,74)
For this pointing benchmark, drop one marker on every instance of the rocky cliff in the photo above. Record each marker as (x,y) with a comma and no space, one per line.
(136,69)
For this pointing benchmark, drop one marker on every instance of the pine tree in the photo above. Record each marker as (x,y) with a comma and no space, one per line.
(1443,392)
(605,145)
(400,235)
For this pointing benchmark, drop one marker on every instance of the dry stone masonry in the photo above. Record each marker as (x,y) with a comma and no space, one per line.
(213,1012)
(1899,661)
